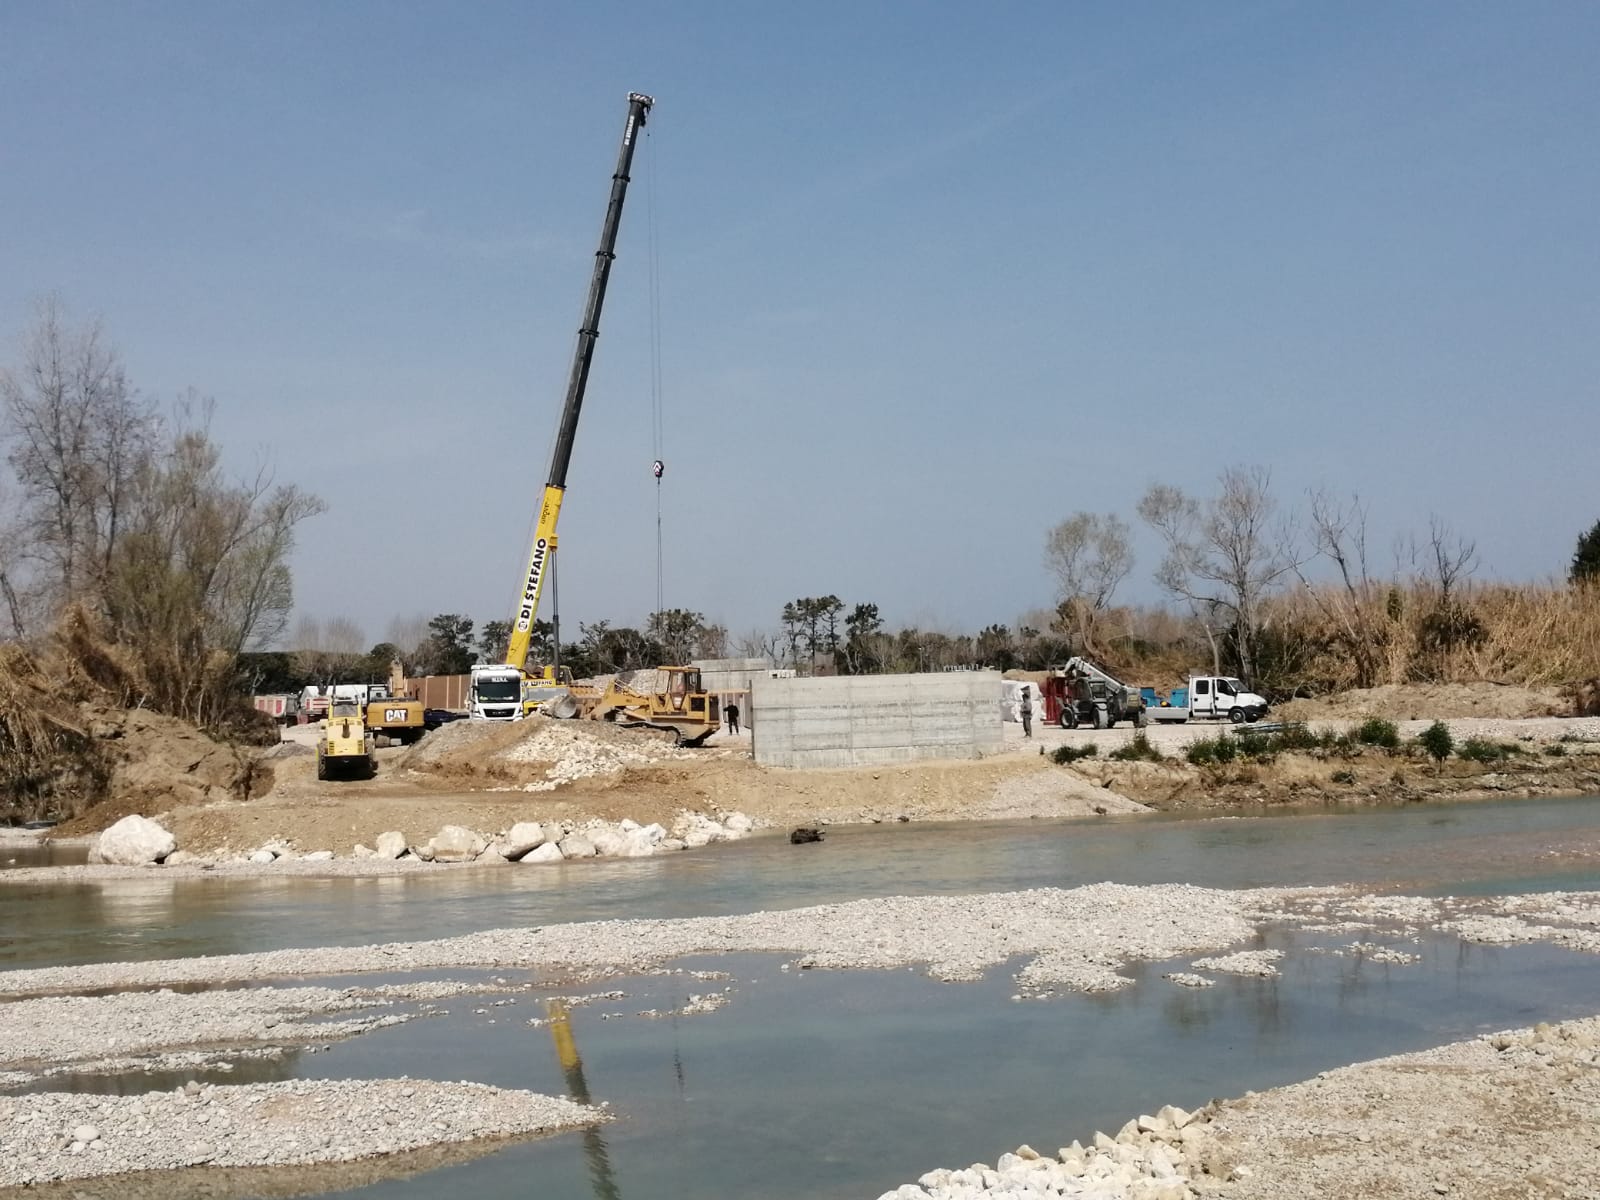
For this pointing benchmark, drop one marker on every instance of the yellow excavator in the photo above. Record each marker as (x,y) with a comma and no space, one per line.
(683,708)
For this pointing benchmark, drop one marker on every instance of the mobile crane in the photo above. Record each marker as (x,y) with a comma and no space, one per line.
(682,708)
(496,693)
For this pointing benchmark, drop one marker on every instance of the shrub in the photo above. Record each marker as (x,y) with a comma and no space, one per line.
(1219,749)
(1483,750)
(1066,754)
(1343,776)
(1556,751)
(1437,740)
(1138,750)
(1251,744)
(1375,731)
(1297,737)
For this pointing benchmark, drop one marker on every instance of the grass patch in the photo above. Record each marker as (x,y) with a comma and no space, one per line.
(1062,755)
(1207,751)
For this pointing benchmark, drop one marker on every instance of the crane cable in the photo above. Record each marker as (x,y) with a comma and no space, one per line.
(657,418)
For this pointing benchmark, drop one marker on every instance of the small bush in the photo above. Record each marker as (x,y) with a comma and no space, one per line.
(1375,731)
(1138,750)
(1219,749)
(1556,751)
(1067,754)
(1437,740)
(1256,747)
(1484,751)
(1297,737)
(1343,777)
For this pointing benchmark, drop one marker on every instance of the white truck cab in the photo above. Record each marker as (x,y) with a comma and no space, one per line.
(495,693)
(1210,698)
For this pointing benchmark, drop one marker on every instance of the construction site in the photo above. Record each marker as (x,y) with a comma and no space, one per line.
(1004,914)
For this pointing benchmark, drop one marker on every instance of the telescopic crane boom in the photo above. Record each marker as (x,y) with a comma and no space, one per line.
(544,536)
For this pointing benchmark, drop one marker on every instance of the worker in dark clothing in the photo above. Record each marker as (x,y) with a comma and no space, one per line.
(731,711)
(1027,712)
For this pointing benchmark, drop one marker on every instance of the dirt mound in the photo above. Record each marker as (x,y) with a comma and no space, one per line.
(537,754)
(153,763)
(1428,701)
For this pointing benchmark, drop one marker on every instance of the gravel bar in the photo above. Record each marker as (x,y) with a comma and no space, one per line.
(1503,1115)
(1073,938)
(58,1135)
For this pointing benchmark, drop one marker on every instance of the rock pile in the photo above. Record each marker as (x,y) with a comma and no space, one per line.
(533,842)
(1152,1158)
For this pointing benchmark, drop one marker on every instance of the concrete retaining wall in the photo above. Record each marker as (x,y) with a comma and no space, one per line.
(865,720)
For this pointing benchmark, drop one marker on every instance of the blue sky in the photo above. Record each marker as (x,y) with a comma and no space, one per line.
(932,276)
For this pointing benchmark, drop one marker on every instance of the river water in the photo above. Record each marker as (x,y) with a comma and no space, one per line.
(844,1084)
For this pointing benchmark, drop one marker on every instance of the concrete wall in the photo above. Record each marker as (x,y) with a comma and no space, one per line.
(864,720)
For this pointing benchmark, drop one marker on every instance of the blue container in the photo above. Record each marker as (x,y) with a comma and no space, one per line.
(1180,697)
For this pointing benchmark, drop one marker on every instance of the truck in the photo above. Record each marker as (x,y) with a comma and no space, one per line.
(1081,692)
(494,692)
(282,707)
(1207,698)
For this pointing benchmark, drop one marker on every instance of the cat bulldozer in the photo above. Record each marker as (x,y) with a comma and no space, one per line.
(346,747)
(681,706)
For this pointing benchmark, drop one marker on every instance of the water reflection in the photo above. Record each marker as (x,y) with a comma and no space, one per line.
(594,1145)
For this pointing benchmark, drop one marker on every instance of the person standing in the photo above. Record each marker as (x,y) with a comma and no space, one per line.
(731,711)
(1027,711)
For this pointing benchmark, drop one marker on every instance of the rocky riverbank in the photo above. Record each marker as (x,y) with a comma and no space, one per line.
(1395,1128)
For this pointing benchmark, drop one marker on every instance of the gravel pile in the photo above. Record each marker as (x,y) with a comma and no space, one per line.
(55,1135)
(573,752)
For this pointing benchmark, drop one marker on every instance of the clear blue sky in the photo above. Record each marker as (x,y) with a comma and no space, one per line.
(932,276)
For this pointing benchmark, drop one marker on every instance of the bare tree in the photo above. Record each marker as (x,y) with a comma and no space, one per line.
(1225,554)
(1354,606)
(1090,555)
(1444,566)
(78,437)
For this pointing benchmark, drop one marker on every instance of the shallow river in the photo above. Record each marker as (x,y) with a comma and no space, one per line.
(821,1084)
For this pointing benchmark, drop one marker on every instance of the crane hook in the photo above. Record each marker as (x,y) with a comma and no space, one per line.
(658,467)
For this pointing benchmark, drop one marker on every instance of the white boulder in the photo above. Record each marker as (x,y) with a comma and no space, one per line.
(737,822)
(575,846)
(135,841)
(263,856)
(456,843)
(391,844)
(363,851)
(542,853)
(521,838)
(608,841)
(319,856)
